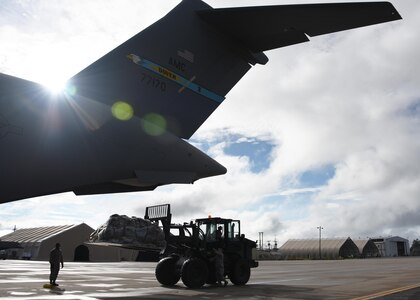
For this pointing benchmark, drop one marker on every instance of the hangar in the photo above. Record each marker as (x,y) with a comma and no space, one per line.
(309,249)
(367,248)
(392,246)
(36,243)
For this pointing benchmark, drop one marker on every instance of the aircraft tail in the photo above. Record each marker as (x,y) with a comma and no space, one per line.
(177,71)
(174,73)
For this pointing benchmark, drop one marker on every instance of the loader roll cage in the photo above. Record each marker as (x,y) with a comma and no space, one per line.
(209,226)
(204,229)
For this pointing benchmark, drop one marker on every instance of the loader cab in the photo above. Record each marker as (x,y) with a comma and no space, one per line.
(231,229)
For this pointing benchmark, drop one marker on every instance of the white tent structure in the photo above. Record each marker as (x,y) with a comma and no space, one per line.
(310,249)
(37,243)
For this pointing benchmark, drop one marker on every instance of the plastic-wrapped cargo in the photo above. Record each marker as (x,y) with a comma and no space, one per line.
(130,232)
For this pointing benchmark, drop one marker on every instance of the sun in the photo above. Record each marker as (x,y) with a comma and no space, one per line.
(56,85)
(53,77)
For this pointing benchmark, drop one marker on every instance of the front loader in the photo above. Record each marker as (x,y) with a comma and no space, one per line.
(189,253)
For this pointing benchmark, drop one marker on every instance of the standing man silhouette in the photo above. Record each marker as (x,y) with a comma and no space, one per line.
(56,257)
(219,261)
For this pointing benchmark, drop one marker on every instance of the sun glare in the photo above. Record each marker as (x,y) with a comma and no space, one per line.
(55,85)
(55,81)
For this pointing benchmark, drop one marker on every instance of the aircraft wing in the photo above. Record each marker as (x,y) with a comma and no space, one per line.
(263,28)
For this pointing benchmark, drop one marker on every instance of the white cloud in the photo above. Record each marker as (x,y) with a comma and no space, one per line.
(45,39)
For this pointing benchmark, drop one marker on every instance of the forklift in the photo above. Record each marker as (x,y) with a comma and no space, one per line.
(190,250)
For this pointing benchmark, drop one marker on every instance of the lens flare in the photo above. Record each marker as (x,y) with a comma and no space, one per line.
(71,90)
(154,124)
(122,111)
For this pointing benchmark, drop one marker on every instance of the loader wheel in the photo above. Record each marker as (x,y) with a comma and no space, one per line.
(240,272)
(194,273)
(167,271)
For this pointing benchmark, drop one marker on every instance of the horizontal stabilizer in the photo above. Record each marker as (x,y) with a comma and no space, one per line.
(268,27)
(144,181)
(110,188)
(166,177)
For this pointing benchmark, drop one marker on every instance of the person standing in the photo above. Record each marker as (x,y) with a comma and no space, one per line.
(220,267)
(56,257)
(219,233)
(219,261)
(220,237)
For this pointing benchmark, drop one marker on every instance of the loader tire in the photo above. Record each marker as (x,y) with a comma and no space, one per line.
(167,271)
(240,272)
(194,273)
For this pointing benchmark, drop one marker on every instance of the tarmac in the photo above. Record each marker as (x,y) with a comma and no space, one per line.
(358,279)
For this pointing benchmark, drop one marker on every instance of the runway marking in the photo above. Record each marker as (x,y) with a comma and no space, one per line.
(276,281)
(388,292)
(100,284)
(21,293)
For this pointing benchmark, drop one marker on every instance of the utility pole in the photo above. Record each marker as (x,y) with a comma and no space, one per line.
(320,228)
(261,240)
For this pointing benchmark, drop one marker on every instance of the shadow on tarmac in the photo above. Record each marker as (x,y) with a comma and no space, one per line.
(254,291)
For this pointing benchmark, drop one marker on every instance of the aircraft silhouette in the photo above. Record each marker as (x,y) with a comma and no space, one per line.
(122,122)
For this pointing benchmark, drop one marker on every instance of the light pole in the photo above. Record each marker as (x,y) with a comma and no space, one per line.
(320,228)
(261,240)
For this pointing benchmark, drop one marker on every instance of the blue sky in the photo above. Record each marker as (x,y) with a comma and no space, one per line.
(257,151)
(327,133)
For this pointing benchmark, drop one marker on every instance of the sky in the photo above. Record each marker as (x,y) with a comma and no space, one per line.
(326,134)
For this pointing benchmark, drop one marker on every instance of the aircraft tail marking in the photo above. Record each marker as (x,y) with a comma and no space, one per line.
(185,83)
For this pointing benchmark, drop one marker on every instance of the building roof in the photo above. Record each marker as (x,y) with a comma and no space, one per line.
(361,243)
(367,248)
(33,235)
(390,239)
(329,247)
(313,244)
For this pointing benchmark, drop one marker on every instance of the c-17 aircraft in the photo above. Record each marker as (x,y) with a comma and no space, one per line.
(122,123)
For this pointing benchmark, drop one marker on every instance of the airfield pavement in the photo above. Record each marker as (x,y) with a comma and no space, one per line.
(361,279)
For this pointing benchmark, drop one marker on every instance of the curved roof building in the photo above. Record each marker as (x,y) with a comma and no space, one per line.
(310,249)
(36,243)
